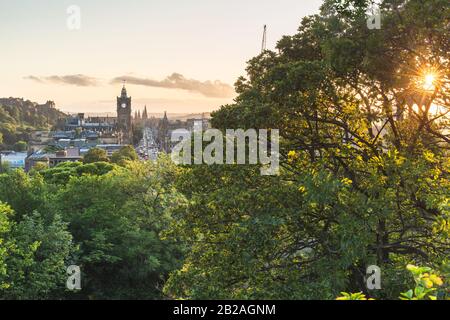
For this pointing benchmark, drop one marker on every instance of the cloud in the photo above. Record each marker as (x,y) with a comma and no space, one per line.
(79,80)
(37,79)
(210,89)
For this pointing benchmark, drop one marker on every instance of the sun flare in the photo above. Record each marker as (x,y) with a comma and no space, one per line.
(429,81)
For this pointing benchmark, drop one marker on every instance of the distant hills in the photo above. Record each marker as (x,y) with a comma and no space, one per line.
(171,116)
(18,117)
(186,116)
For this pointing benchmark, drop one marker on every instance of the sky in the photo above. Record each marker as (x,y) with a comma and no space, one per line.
(180,56)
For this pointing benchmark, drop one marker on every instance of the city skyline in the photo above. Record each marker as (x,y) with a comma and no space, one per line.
(172,60)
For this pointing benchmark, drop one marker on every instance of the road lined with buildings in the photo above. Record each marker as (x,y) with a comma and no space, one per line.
(148,148)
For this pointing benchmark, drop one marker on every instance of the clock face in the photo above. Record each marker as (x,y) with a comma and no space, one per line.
(124,105)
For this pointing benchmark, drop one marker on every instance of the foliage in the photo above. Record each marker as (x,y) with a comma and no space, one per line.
(364,157)
(62,173)
(95,155)
(39,166)
(115,217)
(125,154)
(20,146)
(33,256)
(427,284)
(22,192)
(138,133)
(5,166)
(352,296)
(19,117)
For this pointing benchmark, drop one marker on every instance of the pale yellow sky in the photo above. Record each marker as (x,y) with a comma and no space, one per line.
(148,41)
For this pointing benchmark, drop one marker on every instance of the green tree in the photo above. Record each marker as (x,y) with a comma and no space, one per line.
(33,256)
(95,155)
(125,154)
(22,192)
(20,146)
(62,173)
(429,285)
(117,219)
(78,133)
(364,156)
(5,166)
(5,248)
(138,133)
(40,166)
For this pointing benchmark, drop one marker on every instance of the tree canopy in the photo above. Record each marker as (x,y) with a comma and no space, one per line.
(364,144)
(95,155)
(126,153)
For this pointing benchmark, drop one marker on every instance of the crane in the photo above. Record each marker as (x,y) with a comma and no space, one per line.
(264,40)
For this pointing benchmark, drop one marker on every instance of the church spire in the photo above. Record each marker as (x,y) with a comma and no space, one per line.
(145,114)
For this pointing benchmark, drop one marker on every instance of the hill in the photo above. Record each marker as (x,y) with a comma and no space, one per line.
(19,117)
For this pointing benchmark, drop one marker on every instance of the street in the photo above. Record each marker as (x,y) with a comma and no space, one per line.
(148,148)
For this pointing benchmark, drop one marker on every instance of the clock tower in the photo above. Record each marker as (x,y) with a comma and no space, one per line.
(124,116)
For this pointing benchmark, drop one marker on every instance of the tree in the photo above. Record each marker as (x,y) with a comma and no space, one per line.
(126,153)
(62,173)
(20,146)
(117,219)
(22,192)
(95,155)
(40,166)
(365,167)
(19,117)
(114,215)
(5,229)
(78,132)
(429,285)
(5,166)
(33,256)
(138,133)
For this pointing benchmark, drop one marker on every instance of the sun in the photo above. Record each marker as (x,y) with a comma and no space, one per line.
(429,81)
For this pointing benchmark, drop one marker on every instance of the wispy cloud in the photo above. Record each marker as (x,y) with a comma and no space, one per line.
(210,89)
(37,79)
(79,80)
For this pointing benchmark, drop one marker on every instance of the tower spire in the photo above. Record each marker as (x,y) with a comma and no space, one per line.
(124,89)
(145,114)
